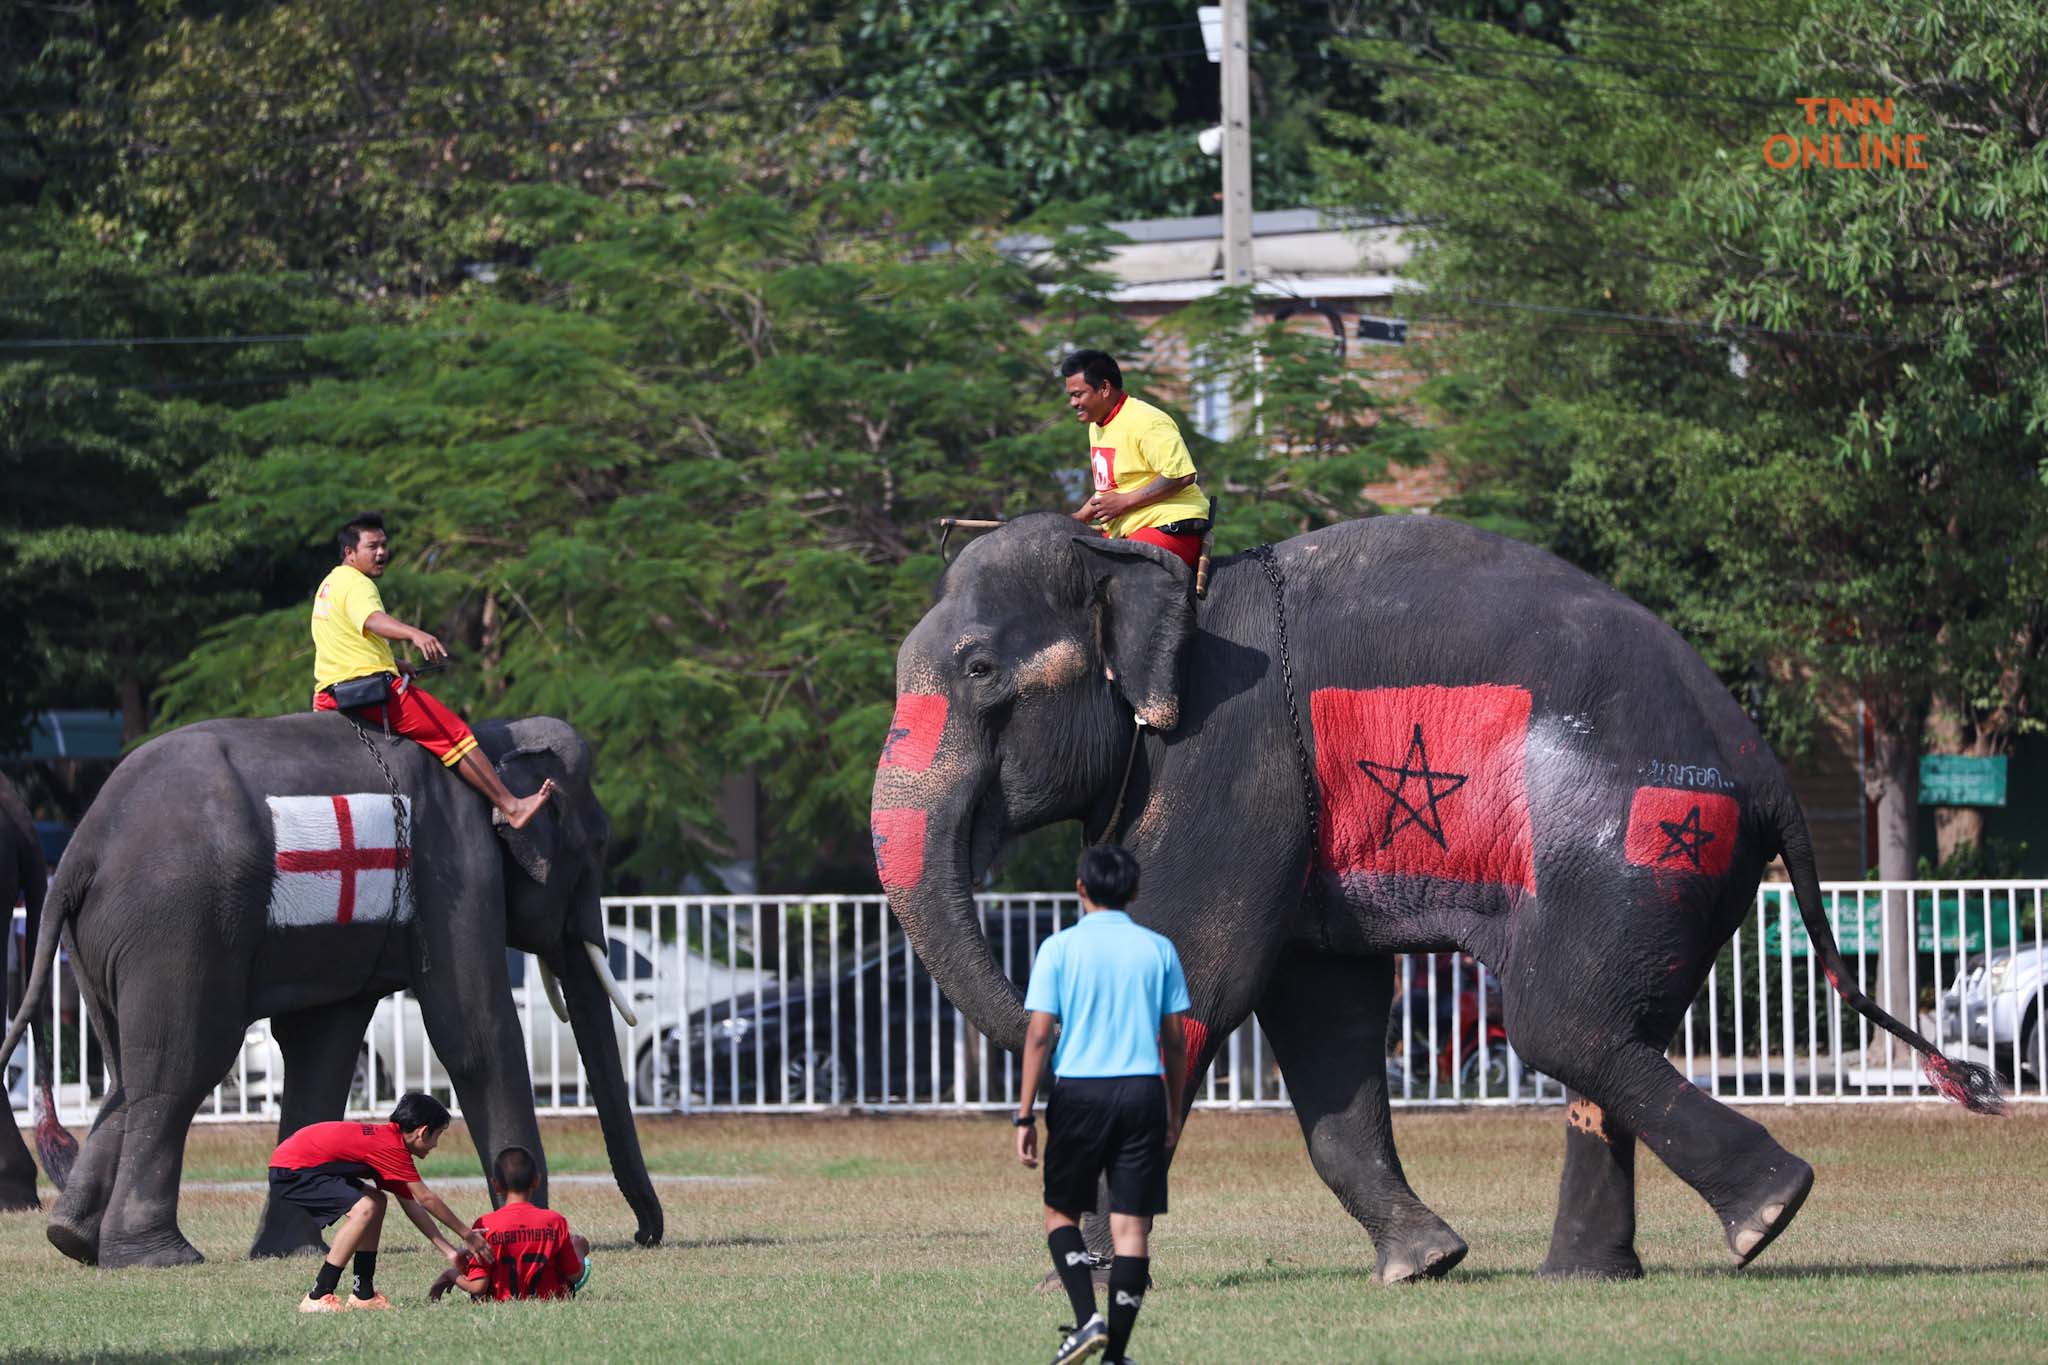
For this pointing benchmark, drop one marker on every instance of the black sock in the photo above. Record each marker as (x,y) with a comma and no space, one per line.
(1070,1263)
(1127,1277)
(323,1285)
(366,1274)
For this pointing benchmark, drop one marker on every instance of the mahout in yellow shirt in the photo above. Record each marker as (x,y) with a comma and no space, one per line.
(1138,444)
(342,649)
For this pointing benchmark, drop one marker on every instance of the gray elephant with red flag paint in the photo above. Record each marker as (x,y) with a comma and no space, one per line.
(300,869)
(1394,735)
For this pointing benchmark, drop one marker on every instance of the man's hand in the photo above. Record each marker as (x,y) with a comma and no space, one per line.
(1027,1145)
(1103,507)
(479,1246)
(1172,1132)
(430,648)
(442,1284)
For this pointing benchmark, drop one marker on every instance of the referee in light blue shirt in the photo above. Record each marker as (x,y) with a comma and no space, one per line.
(1118,995)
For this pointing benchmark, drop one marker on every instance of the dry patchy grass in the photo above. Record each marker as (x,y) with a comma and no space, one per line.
(916,1239)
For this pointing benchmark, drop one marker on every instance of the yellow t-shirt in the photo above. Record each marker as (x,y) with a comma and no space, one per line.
(342,649)
(1138,444)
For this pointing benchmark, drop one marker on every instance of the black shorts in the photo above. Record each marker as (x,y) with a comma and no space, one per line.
(1114,1125)
(323,1194)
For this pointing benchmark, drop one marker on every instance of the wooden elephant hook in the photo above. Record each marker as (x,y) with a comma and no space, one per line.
(947,525)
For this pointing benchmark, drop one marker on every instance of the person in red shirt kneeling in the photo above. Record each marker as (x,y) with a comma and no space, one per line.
(320,1169)
(533,1253)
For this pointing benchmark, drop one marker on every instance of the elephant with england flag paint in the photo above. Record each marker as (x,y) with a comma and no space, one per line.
(241,869)
(1392,735)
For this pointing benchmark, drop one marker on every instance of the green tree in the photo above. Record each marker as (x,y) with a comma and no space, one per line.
(102,446)
(1799,412)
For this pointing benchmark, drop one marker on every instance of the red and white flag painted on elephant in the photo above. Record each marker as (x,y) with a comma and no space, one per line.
(1425,782)
(914,731)
(336,859)
(1691,831)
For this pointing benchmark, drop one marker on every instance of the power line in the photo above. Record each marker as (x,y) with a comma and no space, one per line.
(1517,55)
(542,126)
(1691,324)
(104,343)
(88,388)
(1456,73)
(459,84)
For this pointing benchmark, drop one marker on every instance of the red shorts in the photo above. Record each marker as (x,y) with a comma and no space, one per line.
(1189,548)
(413,712)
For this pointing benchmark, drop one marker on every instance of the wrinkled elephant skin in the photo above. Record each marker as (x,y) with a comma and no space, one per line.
(236,870)
(1464,743)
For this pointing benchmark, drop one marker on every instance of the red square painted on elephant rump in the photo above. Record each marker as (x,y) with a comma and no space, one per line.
(914,731)
(1425,782)
(1669,827)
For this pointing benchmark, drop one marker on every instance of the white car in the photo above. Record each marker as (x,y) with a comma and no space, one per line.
(1998,1005)
(396,1057)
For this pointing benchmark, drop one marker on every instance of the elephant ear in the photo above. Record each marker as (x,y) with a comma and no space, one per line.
(534,848)
(1145,597)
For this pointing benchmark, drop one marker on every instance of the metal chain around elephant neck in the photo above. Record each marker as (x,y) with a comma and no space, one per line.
(1313,804)
(401,852)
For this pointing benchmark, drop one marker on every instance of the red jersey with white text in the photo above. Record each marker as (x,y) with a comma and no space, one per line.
(372,1150)
(531,1254)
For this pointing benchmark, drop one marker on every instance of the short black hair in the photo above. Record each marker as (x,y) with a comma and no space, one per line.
(515,1170)
(1097,367)
(353,531)
(1109,874)
(417,1110)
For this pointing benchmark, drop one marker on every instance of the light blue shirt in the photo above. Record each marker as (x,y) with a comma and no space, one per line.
(1109,982)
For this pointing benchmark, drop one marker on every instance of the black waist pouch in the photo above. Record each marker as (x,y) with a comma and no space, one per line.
(373,689)
(1194,526)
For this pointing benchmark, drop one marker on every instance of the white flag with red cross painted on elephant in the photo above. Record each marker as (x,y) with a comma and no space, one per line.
(337,857)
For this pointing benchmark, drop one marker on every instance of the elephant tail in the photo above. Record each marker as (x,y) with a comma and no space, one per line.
(56,1146)
(1968,1084)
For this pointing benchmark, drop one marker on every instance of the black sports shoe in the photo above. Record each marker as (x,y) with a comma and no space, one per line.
(1090,1338)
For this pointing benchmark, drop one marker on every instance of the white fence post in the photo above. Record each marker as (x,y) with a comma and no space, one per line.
(727,1024)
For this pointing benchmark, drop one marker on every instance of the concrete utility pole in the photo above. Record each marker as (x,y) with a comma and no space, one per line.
(1237,143)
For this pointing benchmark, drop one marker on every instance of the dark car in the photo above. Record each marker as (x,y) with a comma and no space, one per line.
(780,1047)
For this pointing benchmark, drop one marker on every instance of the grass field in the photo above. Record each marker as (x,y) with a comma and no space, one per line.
(1926,1238)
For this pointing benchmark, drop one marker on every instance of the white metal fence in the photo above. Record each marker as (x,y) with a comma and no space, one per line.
(767,1004)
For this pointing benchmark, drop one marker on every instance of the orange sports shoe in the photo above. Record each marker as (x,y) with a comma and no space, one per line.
(326,1303)
(376,1300)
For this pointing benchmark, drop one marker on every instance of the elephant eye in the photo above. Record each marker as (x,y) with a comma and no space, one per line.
(980,668)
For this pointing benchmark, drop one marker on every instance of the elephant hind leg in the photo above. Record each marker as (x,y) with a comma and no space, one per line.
(1753,1185)
(75,1220)
(1326,1017)
(1594,1236)
(162,1088)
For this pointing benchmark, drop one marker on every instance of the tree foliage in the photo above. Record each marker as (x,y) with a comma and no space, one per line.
(1798,412)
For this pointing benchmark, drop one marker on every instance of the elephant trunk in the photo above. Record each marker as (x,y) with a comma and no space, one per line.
(590,1017)
(927,863)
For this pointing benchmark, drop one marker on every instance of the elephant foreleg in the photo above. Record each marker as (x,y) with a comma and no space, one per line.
(1595,1232)
(320,1048)
(1326,1018)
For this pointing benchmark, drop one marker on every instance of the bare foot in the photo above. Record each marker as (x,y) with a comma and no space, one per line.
(524,808)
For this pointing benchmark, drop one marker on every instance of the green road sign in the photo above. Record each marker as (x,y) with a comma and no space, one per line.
(1953,780)
(1859,928)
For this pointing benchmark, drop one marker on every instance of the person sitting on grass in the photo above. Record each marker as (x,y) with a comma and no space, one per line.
(535,1256)
(321,1168)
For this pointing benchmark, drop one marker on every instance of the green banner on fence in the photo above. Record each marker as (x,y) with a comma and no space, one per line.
(1953,780)
(1859,928)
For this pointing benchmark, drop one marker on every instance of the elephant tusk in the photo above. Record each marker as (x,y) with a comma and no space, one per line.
(554,990)
(611,985)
